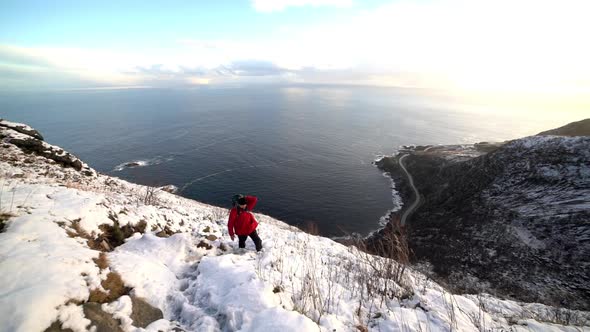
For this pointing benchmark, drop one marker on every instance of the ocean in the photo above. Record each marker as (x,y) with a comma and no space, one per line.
(306,152)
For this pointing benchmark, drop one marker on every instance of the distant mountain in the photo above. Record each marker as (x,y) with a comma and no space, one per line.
(514,222)
(579,128)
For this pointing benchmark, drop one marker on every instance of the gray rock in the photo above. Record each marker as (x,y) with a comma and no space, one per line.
(143,314)
(21,128)
(103,321)
(56,327)
(37,146)
(105,245)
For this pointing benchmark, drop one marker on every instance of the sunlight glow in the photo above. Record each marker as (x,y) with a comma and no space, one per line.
(474,47)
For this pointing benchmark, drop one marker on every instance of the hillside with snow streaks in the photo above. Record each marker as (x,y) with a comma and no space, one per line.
(513,222)
(80,249)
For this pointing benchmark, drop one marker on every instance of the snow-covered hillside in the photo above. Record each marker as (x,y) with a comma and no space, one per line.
(513,222)
(80,249)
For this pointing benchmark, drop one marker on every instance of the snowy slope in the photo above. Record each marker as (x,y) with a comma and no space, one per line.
(177,255)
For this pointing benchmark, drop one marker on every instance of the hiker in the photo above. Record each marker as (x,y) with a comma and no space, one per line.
(242,221)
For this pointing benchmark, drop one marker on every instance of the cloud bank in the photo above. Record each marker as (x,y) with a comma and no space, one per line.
(502,46)
(280,5)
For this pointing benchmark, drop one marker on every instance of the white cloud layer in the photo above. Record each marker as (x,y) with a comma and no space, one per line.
(280,5)
(503,46)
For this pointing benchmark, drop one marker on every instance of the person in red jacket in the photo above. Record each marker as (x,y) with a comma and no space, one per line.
(242,222)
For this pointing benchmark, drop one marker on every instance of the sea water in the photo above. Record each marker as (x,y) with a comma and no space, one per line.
(307,152)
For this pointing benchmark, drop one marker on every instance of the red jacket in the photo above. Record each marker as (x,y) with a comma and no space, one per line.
(243,222)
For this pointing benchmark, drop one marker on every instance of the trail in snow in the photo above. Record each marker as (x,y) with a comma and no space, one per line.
(213,291)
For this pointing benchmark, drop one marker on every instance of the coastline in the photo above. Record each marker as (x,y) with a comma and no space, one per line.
(392,168)
(480,215)
(396,199)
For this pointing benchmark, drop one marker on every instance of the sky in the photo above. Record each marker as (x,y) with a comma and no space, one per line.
(534,49)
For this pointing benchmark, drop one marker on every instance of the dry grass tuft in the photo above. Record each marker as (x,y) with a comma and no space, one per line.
(140,226)
(4,216)
(205,245)
(114,236)
(150,197)
(102,261)
(113,284)
(166,232)
(115,287)
(77,230)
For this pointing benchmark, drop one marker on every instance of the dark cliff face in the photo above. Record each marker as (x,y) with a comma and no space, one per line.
(515,222)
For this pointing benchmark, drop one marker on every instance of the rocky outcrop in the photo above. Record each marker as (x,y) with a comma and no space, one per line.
(143,314)
(30,141)
(100,320)
(21,128)
(57,327)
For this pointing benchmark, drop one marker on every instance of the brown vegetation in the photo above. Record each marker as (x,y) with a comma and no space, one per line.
(102,261)
(77,230)
(115,287)
(4,216)
(166,232)
(112,235)
(113,284)
(205,245)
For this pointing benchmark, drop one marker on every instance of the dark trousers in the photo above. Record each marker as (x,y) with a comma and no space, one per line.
(254,236)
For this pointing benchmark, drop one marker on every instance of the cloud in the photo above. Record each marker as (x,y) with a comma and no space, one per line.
(54,68)
(21,56)
(256,68)
(160,75)
(476,45)
(22,68)
(528,46)
(280,5)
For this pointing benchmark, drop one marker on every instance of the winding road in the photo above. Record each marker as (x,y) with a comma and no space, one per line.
(417,200)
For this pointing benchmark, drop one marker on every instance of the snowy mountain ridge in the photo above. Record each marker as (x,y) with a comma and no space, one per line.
(83,251)
(513,221)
